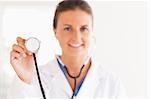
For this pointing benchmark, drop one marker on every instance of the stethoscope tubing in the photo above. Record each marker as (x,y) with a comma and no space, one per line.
(38,75)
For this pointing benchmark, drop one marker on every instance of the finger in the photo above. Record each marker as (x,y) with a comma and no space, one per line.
(15,54)
(19,49)
(21,42)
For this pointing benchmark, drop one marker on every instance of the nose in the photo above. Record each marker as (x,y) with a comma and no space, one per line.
(77,37)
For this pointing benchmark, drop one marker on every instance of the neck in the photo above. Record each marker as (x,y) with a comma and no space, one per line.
(73,63)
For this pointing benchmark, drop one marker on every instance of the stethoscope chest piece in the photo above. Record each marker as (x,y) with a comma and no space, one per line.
(32,44)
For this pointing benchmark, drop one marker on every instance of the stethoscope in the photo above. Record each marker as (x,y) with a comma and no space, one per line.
(33,44)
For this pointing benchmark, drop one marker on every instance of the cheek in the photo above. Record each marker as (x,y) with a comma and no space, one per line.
(87,42)
(62,42)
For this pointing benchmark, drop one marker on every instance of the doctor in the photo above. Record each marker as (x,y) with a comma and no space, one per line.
(67,76)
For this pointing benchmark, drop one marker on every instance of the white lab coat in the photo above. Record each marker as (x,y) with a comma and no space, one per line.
(98,84)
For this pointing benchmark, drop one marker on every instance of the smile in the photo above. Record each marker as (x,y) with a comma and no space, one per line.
(75,45)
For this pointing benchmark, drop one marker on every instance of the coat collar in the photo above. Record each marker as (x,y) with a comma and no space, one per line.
(90,83)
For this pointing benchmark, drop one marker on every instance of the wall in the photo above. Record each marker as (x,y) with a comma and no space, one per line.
(120,27)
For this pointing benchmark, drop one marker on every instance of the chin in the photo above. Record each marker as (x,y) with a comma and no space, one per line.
(76,54)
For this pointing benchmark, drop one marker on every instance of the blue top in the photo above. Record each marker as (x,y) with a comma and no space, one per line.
(61,65)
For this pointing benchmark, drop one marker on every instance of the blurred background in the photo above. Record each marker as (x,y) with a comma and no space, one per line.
(121,28)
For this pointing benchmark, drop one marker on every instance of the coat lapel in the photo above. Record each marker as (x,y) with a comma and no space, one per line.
(90,83)
(60,82)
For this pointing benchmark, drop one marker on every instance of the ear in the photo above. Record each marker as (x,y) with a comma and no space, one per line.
(55,33)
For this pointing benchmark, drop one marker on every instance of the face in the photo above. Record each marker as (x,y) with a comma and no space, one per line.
(73,32)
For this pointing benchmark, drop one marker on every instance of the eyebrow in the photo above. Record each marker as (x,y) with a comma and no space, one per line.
(71,25)
(85,26)
(67,24)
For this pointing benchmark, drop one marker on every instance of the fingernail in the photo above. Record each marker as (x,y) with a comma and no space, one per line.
(24,55)
(30,53)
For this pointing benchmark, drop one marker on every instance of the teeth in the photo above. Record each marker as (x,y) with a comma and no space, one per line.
(75,45)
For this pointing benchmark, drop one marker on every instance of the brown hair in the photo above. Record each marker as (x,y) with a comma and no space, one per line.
(71,5)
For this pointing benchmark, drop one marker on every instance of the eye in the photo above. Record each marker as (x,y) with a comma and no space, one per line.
(84,29)
(67,29)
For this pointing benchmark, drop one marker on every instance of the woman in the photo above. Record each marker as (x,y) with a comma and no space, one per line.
(67,76)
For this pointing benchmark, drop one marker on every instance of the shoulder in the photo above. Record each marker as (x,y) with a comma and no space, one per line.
(49,68)
(110,82)
(105,77)
(103,72)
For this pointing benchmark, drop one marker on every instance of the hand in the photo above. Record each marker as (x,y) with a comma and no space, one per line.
(22,61)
